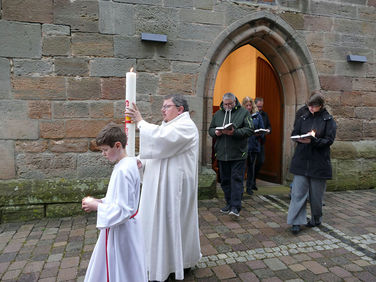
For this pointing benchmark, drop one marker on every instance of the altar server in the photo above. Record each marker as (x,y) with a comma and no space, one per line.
(118,255)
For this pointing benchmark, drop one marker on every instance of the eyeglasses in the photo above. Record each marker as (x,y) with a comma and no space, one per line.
(228,104)
(165,107)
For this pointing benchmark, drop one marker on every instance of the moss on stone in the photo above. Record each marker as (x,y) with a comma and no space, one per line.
(23,192)
(366,149)
(343,150)
(21,213)
(62,210)
(207,184)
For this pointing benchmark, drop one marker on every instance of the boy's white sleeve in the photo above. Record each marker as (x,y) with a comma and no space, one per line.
(120,205)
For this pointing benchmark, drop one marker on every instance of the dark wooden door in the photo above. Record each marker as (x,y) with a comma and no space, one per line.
(268,87)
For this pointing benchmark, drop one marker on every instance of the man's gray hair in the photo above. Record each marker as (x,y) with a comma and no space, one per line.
(178,100)
(229,95)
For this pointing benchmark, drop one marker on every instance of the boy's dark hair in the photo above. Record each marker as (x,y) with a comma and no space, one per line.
(110,134)
(316,100)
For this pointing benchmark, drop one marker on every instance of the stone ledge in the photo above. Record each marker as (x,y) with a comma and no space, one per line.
(23,200)
(207,181)
(51,191)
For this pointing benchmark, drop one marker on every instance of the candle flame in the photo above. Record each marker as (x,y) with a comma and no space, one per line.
(313,133)
(131,69)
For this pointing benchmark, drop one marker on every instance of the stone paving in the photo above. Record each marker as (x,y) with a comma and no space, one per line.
(257,246)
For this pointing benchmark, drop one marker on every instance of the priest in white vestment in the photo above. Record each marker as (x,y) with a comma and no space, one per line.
(168,206)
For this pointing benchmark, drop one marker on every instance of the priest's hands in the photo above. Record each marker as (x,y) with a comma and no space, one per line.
(134,113)
(90,204)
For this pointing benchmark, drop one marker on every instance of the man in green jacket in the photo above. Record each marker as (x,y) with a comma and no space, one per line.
(231,147)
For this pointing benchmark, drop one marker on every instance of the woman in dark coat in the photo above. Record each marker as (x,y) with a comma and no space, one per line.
(311,163)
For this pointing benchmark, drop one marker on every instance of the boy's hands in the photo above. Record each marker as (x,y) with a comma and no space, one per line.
(90,204)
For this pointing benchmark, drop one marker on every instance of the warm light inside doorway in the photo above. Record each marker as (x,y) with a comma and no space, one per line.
(237,74)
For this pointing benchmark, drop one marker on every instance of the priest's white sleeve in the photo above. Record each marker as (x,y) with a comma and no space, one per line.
(170,139)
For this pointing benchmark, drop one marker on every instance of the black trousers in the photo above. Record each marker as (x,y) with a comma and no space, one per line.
(232,173)
(251,174)
(260,159)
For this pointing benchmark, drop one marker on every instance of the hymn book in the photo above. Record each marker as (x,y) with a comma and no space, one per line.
(262,130)
(310,134)
(228,126)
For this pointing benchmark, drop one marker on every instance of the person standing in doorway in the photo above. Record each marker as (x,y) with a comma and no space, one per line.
(231,149)
(261,155)
(310,164)
(254,143)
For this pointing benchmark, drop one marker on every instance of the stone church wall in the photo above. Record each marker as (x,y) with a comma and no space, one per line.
(62,78)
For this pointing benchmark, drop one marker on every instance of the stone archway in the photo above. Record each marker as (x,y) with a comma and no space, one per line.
(285,50)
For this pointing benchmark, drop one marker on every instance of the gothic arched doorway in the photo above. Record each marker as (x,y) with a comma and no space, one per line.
(246,72)
(287,53)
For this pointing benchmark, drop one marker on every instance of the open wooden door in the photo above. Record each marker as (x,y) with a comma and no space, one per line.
(268,87)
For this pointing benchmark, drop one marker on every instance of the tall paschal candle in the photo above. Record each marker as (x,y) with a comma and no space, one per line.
(130,97)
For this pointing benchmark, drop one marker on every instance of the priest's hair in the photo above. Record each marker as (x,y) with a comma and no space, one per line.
(178,100)
(110,134)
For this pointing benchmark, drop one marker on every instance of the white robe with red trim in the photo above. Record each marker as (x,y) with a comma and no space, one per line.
(125,251)
(168,205)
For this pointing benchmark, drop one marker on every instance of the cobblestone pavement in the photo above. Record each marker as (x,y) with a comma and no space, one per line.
(257,246)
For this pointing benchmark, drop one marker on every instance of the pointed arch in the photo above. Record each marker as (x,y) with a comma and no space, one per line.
(286,51)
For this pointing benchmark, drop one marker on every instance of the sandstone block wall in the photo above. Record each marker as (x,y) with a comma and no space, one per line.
(62,78)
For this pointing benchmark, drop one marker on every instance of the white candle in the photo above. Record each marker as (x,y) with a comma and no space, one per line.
(130,97)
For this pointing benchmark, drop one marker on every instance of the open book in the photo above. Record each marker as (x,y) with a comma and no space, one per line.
(228,126)
(310,134)
(262,130)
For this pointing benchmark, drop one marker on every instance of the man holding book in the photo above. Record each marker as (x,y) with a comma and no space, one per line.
(231,149)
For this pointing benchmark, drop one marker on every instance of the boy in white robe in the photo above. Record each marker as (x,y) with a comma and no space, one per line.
(119,252)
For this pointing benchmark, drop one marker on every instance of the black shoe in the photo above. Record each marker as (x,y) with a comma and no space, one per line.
(254,188)
(226,209)
(249,191)
(234,212)
(310,224)
(295,229)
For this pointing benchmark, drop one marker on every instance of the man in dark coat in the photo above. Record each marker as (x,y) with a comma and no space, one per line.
(231,149)
(311,163)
